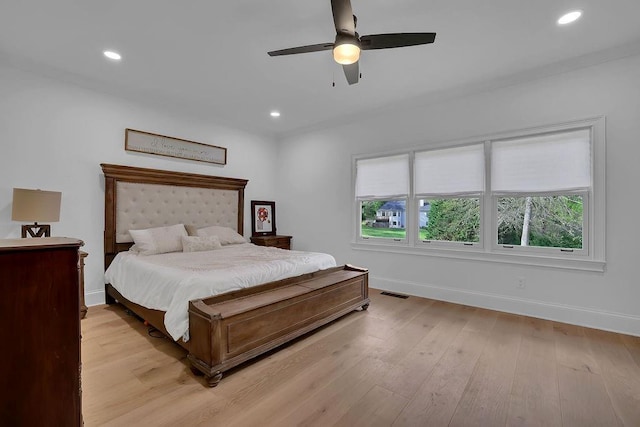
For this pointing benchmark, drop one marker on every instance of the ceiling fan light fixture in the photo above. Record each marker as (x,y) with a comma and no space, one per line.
(346,49)
(346,54)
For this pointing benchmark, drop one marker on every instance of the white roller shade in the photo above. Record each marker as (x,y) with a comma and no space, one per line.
(555,162)
(382,176)
(458,170)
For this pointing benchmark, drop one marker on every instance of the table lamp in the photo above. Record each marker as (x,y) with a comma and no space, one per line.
(36,205)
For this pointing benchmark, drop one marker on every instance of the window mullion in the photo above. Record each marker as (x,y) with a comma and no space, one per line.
(489,211)
(412,218)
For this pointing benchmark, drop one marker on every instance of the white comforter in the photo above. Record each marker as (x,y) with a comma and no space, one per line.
(169,281)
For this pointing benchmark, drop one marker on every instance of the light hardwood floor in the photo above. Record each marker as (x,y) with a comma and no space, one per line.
(413,362)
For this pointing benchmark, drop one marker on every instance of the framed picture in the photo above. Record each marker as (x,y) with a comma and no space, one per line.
(161,145)
(263,218)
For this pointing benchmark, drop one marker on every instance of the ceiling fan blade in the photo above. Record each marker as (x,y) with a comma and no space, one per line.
(386,41)
(302,49)
(352,72)
(343,16)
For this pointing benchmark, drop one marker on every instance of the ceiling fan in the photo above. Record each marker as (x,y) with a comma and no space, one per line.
(348,43)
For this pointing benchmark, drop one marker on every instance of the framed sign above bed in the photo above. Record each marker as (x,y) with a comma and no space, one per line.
(263,218)
(151,143)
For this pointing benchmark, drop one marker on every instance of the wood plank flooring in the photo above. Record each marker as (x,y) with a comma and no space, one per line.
(404,362)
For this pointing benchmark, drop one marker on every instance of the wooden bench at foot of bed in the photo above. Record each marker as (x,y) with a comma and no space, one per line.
(229,329)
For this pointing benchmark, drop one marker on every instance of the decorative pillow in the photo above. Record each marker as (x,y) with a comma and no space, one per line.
(226,235)
(159,240)
(192,230)
(196,244)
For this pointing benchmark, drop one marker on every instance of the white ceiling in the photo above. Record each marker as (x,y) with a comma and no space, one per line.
(209,58)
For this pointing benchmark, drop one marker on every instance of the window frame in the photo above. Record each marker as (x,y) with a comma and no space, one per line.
(591,258)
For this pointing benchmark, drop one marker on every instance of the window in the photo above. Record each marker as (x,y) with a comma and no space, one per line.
(540,186)
(534,197)
(382,188)
(541,221)
(449,185)
(455,220)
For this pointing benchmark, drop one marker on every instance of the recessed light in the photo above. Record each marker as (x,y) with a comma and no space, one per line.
(569,17)
(112,55)
(275,114)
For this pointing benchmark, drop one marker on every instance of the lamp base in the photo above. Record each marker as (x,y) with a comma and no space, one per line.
(36,230)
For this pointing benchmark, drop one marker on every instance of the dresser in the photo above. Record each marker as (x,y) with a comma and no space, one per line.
(40,334)
(282,242)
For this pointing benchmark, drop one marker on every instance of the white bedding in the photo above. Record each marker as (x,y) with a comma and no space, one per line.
(169,281)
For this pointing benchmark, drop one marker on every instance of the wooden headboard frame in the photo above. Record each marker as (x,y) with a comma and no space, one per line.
(115,173)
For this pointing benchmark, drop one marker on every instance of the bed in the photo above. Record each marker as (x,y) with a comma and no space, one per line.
(226,328)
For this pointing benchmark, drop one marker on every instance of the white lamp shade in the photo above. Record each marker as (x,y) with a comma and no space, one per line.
(36,205)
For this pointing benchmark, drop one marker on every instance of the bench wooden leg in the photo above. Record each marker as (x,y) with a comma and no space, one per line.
(214,379)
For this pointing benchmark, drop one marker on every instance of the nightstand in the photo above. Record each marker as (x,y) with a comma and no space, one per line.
(83,307)
(282,242)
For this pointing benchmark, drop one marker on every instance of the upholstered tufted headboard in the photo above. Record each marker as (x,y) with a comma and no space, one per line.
(137,198)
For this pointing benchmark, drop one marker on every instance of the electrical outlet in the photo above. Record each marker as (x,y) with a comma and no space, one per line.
(522,282)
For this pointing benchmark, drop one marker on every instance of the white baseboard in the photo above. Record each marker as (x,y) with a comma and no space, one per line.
(598,319)
(94,298)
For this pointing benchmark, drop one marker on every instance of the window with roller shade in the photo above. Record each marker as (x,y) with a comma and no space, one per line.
(540,188)
(382,188)
(449,189)
(533,197)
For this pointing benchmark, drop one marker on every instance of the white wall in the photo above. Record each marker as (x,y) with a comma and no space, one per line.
(315,176)
(53,136)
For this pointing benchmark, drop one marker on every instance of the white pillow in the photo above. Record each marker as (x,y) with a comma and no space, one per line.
(192,230)
(196,244)
(226,235)
(159,240)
